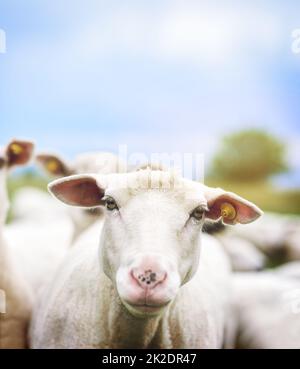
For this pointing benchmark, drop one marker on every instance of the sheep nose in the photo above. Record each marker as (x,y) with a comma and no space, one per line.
(149,277)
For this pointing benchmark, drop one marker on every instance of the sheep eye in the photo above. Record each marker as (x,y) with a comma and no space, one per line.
(111,204)
(197,213)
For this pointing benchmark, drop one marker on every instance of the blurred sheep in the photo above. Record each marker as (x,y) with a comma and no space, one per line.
(15,293)
(277,236)
(265,309)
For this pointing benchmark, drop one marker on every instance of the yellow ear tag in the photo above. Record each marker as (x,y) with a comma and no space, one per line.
(52,166)
(228,211)
(16,149)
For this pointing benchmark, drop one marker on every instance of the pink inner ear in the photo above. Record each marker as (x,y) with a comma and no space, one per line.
(246,212)
(79,192)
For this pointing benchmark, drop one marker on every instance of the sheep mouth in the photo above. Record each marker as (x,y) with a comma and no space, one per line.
(146,308)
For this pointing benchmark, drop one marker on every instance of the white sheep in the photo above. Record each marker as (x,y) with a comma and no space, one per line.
(289,270)
(15,294)
(39,245)
(146,284)
(275,235)
(35,205)
(39,235)
(265,310)
(243,255)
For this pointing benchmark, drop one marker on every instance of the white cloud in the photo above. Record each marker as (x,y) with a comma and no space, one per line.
(191,33)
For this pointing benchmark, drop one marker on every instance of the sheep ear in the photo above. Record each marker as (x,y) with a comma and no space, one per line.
(19,152)
(78,190)
(54,165)
(230,207)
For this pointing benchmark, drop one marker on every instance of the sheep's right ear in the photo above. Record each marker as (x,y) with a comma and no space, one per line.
(78,190)
(54,165)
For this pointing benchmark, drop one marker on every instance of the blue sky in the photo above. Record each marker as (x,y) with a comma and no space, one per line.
(157,76)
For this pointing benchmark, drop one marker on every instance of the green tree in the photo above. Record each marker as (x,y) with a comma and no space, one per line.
(250,155)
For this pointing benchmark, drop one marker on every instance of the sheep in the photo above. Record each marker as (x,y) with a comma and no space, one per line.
(146,285)
(265,310)
(243,255)
(275,235)
(95,162)
(16,299)
(35,205)
(39,245)
(290,270)
(39,222)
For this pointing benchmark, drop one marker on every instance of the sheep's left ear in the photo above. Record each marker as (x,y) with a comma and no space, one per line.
(19,152)
(230,207)
(80,190)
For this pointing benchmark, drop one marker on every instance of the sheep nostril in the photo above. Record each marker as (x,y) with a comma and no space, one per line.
(153,277)
(148,278)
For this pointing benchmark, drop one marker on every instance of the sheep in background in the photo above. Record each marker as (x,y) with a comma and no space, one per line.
(15,294)
(289,270)
(34,205)
(39,237)
(277,236)
(244,256)
(147,284)
(265,309)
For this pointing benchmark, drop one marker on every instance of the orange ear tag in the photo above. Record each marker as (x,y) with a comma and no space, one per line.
(228,211)
(16,149)
(52,166)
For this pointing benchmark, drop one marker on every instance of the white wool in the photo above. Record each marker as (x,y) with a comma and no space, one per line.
(39,236)
(36,205)
(16,295)
(289,270)
(195,319)
(273,234)
(265,310)
(38,249)
(244,256)
(18,301)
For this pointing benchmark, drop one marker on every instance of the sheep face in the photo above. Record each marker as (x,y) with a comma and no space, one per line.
(150,243)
